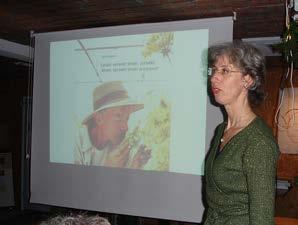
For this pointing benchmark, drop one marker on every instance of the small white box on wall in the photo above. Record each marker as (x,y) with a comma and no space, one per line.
(296,5)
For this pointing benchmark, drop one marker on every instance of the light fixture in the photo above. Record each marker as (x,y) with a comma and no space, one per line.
(286,114)
(287,132)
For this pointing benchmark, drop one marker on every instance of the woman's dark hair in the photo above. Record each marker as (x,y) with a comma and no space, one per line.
(249,60)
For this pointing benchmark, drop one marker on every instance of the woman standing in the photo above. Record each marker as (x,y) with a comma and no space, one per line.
(241,165)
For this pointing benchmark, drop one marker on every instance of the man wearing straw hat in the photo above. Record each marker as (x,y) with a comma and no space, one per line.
(102,142)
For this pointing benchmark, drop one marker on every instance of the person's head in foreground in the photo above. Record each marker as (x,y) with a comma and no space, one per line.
(76,219)
(237,72)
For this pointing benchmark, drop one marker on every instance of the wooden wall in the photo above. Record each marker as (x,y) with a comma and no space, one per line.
(288,163)
(286,204)
(13,86)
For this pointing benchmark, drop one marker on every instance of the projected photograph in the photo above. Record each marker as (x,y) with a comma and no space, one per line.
(133,101)
(123,130)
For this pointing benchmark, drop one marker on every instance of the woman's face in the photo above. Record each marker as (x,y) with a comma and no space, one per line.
(227,82)
(115,124)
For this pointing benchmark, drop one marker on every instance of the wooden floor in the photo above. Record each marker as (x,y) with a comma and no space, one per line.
(287,204)
(285,221)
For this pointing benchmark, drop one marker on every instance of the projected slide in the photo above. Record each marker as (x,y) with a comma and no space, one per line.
(131,101)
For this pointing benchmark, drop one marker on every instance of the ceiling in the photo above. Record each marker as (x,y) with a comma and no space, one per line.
(255,18)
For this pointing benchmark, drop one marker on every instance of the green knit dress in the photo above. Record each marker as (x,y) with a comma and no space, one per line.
(240,180)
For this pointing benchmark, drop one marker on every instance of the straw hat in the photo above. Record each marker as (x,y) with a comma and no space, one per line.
(112,94)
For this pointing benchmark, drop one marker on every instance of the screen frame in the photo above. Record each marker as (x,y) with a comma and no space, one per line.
(152,194)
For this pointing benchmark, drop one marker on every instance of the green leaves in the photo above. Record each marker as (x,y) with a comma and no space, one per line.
(155,134)
(159,43)
(289,45)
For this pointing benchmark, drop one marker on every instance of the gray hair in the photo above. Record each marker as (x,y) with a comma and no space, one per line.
(248,59)
(78,219)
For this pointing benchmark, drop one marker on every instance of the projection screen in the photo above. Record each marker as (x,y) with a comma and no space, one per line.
(122,119)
